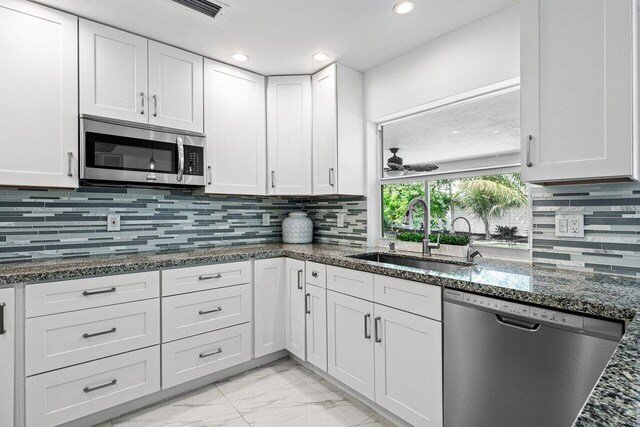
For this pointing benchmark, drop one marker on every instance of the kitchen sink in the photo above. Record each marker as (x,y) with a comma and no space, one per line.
(424,264)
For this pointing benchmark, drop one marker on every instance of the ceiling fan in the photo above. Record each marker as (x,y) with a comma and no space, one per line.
(395,167)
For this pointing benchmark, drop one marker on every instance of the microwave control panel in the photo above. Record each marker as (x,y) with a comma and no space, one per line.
(193,160)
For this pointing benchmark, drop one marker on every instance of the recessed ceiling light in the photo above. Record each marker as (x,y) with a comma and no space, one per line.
(320,56)
(403,7)
(240,57)
(455,131)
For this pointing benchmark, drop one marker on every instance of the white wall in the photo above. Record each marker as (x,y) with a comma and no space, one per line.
(482,53)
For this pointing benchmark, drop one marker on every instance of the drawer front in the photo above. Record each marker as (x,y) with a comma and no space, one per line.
(69,338)
(414,297)
(351,282)
(196,313)
(190,358)
(192,279)
(64,395)
(79,294)
(316,274)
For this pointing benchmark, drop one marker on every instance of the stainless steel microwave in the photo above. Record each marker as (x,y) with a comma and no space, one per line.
(125,152)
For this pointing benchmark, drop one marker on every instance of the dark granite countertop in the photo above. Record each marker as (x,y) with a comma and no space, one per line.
(615,401)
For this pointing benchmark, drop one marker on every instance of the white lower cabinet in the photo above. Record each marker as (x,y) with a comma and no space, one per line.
(67,394)
(294,308)
(350,342)
(7,348)
(316,310)
(268,306)
(205,354)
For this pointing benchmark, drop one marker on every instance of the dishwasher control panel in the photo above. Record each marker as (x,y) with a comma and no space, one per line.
(508,307)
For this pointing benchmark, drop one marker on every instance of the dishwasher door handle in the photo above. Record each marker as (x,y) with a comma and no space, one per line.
(517,323)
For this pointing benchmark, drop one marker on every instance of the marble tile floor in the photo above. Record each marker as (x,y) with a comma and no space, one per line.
(282,393)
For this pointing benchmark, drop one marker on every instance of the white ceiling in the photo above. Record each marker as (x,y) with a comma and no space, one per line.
(281,35)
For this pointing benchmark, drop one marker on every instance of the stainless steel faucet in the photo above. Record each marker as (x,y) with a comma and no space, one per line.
(427,246)
(470,256)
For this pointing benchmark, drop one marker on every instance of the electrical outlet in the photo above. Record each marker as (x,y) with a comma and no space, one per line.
(266,219)
(113,222)
(570,225)
(341,219)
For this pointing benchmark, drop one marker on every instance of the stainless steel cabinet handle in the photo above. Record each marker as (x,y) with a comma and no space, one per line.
(201,312)
(98,387)
(70,155)
(209,174)
(300,279)
(273,179)
(367,334)
(213,276)
(529,138)
(331,183)
(203,355)
(2,328)
(155,105)
(106,291)
(97,334)
(142,103)
(375,328)
(307,303)
(180,143)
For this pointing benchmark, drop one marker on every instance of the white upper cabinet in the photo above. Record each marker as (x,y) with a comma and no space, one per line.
(175,88)
(338,131)
(289,135)
(578,90)
(235,124)
(39,92)
(113,73)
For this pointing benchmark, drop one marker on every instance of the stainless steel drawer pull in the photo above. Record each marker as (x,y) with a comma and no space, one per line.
(307,304)
(2,328)
(375,327)
(203,355)
(201,312)
(98,387)
(106,291)
(70,155)
(97,334)
(300,272)
(314,273)
(367,334)
(213,276)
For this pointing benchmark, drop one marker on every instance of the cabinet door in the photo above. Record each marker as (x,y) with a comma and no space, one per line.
(350,342)
(316,305)
(39,92)
(268,306)
(325,131)
(175,88)
(113,73)
(235,125)
(289,135)
(294,308)
(408,361)
(577,89)
(7,342)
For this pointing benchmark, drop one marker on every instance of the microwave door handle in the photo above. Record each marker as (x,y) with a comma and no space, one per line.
(180,158)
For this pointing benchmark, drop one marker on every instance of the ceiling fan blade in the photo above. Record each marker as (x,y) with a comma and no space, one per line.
(421,167)
(395,166)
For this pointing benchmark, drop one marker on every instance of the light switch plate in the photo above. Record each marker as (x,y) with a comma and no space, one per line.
(570,225)
(113,222)
(266,219)
(341,220)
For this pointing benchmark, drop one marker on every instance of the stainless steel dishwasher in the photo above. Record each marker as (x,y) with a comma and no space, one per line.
(509,364)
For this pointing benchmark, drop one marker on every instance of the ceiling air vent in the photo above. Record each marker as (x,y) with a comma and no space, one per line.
(211,9)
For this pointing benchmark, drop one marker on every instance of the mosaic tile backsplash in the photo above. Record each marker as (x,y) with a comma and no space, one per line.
(59,223)
(612,227)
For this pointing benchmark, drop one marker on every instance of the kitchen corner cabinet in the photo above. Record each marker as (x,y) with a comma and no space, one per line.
(127,77)
(7,351)
(268,315)
(579,90)
(289,135)
(39,87)
(338,131)
(235,124)
(295,307)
